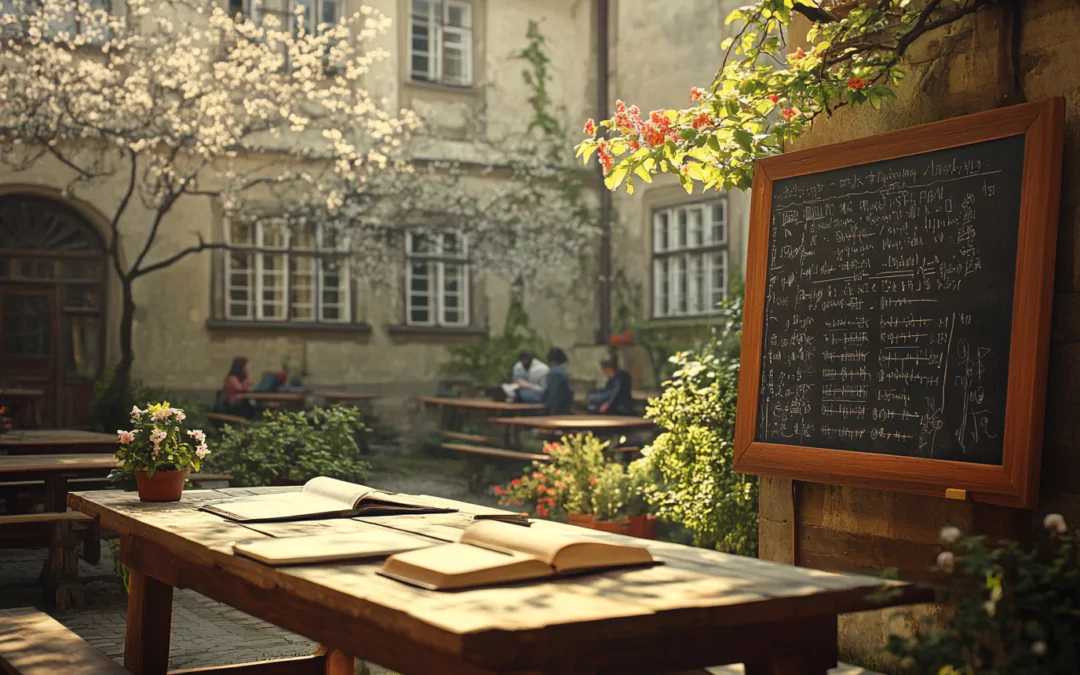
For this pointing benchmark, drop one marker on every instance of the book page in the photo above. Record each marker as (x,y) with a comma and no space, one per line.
(375,543)
(281,506)
(498,536)
(462,566)
(348,494)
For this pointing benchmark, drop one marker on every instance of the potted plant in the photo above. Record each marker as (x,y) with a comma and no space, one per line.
(609,500)
(642,523)
(5,421)
(159,452)
(565,484)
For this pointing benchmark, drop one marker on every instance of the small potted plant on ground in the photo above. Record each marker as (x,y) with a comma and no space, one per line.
(642,523)
(160,452)
(566,483)
(609,500)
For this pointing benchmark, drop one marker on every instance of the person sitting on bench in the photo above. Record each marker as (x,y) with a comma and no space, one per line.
(237,383)
(616,397)
(559,395)
(529,376)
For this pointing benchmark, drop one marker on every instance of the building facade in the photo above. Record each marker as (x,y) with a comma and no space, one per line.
(276,296)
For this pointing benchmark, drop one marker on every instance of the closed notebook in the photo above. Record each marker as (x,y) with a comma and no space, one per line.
(323,497)
(491,552)
(373,543)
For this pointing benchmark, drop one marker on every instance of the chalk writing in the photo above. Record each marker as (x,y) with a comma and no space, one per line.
(888,305)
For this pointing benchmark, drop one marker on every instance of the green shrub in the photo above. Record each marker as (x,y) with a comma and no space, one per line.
(111,406)
(692,459)
(1015,611)
(288,448)
(487,361)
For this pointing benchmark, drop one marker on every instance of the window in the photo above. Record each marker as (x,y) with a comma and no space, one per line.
(86,18)
(440,41)
(273,274)
(437,280)
(690,259)
(314,12)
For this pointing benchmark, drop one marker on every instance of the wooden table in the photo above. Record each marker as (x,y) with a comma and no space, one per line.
(277,399)
(600,425)
(52,441)
(55,470)
(344,396)
(700,608)
(482,404)
(23,399)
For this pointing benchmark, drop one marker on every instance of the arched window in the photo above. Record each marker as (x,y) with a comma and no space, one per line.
(52,304)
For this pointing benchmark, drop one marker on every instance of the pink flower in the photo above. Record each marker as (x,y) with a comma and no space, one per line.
(135,412)
(161,413)
(946,561)
(202,451)
(198,435)
(1055,522)
(125,436)
(696,93)
(179,414)
(156,437)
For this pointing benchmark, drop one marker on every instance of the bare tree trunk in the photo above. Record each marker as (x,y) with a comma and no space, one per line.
(127,325)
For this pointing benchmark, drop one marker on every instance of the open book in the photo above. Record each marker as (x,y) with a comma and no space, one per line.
(323,497)
(376,542)
(491,552)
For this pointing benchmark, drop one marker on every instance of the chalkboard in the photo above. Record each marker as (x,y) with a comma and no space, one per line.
(888,305)
(897,314)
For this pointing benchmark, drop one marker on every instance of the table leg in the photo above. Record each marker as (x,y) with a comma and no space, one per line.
(336,662)
(814,653)
(56,493)
(149,623)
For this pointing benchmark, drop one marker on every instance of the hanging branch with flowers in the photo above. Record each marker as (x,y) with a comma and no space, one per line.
(764,96)
(158,442)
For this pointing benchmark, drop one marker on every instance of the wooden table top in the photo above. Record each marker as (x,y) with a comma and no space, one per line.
(276,396)
(83,462)
(345,396)
(479,403)
(20,393)
(578,422)
(60,439)
(550,626)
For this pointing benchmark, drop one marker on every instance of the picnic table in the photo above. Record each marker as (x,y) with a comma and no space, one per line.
(699,608)
(55,470)
(600,425)
(345,396)
(277,399)
(28,402)
(478,404)
(53,441)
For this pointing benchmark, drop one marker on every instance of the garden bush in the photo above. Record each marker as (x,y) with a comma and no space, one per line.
(691,460)
(288,448)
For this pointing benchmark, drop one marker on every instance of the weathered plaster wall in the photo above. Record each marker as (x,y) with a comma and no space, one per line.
(660,49)
(867,530)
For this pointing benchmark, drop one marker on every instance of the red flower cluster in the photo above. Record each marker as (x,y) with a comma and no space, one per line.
(622,340)
(590,128)
(659,129)
(789,113)
(856,82)
(627,120)
(606,158)
(774,98)
(544,506)
(696,93)
(702,120)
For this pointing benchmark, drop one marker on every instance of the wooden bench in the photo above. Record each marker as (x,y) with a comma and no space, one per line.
(476,457)
(469,438)
(209,481)
(221,419)
(34,643)
(60,576)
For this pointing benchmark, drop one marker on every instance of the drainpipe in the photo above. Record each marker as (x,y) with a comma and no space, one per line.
(602,109)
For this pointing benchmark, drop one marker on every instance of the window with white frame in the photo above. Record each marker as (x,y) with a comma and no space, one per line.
(312,13)
(437,279)
(274,274)
(690,259)
(440,42)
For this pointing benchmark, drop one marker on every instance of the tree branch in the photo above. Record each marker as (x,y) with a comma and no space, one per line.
(114,226)
(178,256)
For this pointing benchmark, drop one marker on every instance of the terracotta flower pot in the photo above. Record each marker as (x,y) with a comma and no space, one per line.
(643,526)
(581,519)
(614,526)
(163,486)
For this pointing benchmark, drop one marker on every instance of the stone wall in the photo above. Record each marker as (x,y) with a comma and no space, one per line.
(863,530)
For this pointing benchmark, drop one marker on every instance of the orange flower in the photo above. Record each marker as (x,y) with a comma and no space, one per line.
(634,145)
(856,82)
(774,98)
(516,481)
(537,475)
(789,113)
(2,410)
(541,510)
(499,490)
(592,480)
(541,489)
(696,93)
(590,128)
(615,341)
(701,120)
(559,484)
(799,53)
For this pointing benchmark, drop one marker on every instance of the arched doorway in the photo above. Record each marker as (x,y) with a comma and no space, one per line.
(52,305)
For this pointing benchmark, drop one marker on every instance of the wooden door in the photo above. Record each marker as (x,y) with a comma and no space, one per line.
(28,342)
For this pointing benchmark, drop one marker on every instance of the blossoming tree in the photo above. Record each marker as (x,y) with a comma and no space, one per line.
(763,96)
(175,100)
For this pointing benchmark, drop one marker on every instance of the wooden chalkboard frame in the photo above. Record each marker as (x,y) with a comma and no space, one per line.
(1016,481)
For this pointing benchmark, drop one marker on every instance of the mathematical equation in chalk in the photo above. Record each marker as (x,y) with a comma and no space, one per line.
(888,305)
